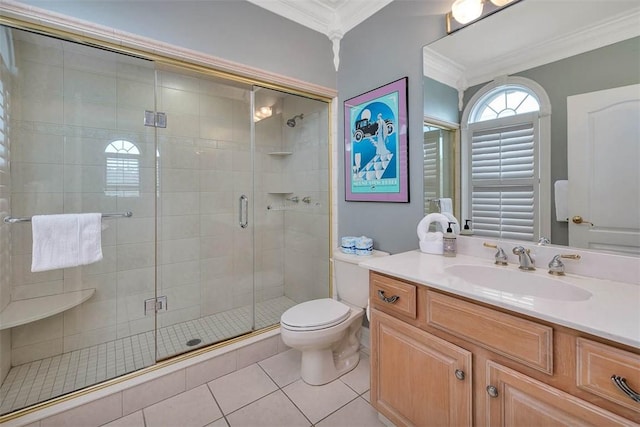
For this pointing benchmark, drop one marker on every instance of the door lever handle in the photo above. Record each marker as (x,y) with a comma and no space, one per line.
(579,220)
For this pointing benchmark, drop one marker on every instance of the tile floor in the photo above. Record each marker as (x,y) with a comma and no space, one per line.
(44,379)
(267,393)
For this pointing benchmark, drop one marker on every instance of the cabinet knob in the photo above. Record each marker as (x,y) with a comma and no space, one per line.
(390,300)
(459,374)
(492,391)
(621,383)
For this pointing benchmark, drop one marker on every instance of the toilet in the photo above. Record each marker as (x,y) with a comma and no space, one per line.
(327,331)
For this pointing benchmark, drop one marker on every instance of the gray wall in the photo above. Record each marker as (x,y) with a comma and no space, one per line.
(385,48)
(235,30)
(440,101)
(608,67)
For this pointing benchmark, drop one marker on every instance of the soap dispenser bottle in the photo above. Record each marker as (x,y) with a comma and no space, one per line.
(449,246)
(466,230)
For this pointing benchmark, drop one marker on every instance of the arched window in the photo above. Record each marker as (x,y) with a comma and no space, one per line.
(123,169)
(505,136)
(504,101)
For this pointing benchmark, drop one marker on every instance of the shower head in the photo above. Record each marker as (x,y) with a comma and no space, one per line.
(292,121)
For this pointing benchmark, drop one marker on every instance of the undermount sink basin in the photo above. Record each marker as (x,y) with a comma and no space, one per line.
(518,282)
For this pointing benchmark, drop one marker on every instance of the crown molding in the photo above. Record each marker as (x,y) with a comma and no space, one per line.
(325,16)
(353,12)
(311,14)
(332,18)
(442,68)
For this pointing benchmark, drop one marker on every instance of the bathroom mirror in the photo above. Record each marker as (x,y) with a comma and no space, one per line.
(568,48)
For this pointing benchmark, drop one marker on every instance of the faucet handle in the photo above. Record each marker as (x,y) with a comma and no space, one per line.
(543,241)
(500,256)
(527,262)
(556,266)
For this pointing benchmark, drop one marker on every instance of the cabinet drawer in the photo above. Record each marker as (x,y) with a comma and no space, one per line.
(597,363)
(393,296)
(518,339)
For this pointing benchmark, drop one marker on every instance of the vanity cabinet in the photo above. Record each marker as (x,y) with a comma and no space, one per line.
(440,359)
(419,378)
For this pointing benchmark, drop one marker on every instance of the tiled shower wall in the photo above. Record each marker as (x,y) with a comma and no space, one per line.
(307,225)
(293,237)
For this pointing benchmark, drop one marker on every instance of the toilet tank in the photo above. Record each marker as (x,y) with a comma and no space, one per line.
(350,280)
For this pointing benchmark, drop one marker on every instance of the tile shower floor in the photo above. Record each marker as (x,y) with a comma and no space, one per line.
(44,379)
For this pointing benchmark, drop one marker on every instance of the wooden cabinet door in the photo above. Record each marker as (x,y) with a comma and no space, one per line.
(418,379)
(519,400)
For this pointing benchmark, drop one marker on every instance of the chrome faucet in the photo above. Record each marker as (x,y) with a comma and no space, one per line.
(524,257)
(500,256)
(556,266)
(543,241)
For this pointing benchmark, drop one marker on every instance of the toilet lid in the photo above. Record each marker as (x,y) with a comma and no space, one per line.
(315,314)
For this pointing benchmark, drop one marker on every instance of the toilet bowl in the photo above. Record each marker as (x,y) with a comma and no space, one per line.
(327,331)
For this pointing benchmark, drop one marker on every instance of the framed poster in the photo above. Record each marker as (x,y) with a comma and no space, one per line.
(376,145)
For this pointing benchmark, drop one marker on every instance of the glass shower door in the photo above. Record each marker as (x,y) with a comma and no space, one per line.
(205,203)
(78,145)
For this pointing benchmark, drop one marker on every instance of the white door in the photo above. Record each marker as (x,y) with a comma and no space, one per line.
(604,169)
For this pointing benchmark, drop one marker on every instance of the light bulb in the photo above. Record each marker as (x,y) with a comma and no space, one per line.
(501,3)
(465,11)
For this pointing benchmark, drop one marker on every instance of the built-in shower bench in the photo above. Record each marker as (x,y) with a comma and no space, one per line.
(23,311)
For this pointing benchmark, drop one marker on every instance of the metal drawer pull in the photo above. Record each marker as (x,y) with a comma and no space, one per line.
(621,383)
(459,374)
(390,300)
(492,390)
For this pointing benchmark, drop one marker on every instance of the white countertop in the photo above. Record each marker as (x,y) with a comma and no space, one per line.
(612,312)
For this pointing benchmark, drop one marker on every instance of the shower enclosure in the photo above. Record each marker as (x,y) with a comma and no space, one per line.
(226,183)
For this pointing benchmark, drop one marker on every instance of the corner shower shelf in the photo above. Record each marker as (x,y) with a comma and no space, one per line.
(281,153)
(29,310)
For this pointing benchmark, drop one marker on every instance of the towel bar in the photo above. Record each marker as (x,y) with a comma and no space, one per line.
(12,220)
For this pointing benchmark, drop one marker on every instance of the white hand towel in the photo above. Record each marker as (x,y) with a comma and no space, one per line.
(431,242)
(446,205)
(68,240)
(432,246)
(423,225)
(561,188)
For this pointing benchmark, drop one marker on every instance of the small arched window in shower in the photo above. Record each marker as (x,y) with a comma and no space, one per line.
(123,169)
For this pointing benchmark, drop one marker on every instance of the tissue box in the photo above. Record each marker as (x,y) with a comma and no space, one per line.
(364,246)
(348,245)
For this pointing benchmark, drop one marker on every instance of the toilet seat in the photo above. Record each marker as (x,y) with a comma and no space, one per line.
(315,314)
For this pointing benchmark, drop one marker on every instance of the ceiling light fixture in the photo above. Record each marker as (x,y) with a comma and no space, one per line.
(501,3)
(262,113)
(464,12)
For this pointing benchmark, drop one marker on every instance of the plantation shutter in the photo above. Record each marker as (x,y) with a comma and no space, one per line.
(430,168)
(123,176)
(504,181)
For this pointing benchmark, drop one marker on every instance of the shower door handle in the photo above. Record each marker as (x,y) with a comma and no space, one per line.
(244,211)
